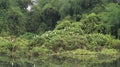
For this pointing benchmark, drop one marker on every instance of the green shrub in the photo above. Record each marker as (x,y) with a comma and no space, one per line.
(28,36)
(69,26)
(66,42)
(116,44)
(63,24)
(5,46)
(90,23)
(99,41)
(40,50)
(60,40)
(109,52)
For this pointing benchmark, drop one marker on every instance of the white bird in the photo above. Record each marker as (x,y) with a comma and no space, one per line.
(12,63)
(34,65)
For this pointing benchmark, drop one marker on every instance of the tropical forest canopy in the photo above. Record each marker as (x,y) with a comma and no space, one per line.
(16,20)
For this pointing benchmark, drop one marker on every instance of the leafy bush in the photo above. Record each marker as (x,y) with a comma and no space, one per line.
(5,46)
(109,52)
(28,36)
(60,40)
(63,24)
(69,26)
(116,44)
(40,50)
(99,41)
(91,23)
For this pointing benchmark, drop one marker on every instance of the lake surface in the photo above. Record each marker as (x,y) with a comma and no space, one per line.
(58,61)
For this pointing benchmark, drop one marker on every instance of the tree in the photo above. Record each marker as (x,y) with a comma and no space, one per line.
(15,21)
(4,4)
(114,18)
(52,16)
(23,4)
(110,18)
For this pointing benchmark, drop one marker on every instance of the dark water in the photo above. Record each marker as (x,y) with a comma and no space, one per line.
(55,61)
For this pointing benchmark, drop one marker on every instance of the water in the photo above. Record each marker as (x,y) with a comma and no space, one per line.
(58,61)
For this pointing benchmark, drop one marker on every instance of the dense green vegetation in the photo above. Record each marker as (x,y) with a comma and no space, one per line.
(65,28)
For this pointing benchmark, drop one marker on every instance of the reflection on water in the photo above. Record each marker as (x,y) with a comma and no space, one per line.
(56,61)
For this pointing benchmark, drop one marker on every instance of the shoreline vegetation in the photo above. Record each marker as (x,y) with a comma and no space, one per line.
(59,30)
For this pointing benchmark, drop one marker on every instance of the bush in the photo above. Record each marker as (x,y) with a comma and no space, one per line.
(91,23)
(5,46)
(116,44)
(63,24)
(69,26)
(28,36)
(99,41)
(40,50)
(60,40)
(109,52)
